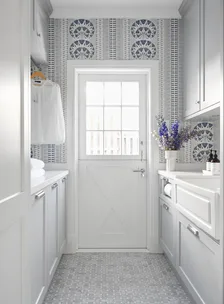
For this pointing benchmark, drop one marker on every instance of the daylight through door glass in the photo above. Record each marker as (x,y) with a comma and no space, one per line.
(112,118)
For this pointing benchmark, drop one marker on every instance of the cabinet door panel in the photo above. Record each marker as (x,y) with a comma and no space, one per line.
(167,229)
(192,70)
(52,228)
(37,246)
(212,52)
(198,262)
(61,215)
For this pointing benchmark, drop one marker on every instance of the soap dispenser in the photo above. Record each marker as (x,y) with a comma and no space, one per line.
(208,163)
(215,164)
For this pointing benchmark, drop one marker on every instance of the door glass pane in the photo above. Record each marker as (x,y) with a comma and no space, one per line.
(112,118)
(130,118)
(130,93)
(94,143)
(94,118)
(112,93)
(130,143)
(112,143)
(94,93)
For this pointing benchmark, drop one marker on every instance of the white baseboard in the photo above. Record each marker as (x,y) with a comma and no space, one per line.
(113,250)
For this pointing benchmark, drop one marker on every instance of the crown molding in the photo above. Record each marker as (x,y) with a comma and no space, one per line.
(46,6)
(184,7)
(131,12)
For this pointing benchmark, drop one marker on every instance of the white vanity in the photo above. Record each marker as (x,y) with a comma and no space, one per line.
(190,231)
(47,230)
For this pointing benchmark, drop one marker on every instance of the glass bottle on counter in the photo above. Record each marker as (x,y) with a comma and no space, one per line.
(215,164)
(208,163)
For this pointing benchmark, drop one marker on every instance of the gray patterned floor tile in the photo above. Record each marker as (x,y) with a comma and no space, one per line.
(115,278)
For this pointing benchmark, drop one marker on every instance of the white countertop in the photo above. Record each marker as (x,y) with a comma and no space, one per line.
(175,174)
(50,177)
(209,182)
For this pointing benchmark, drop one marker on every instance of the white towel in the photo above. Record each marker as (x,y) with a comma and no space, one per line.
(37,173)
(36,163)
(47,119)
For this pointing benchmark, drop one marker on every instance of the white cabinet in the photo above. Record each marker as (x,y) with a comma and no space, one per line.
(189,224)
(52,229)
(61,216)
(198,262)
(202,55)
(212,53)
(167,236)
(192,67)
(37,248)
(39,34)
(14,152)
(47,236)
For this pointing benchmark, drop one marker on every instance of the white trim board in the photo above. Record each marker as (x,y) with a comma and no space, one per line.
(121,12)
(151,69)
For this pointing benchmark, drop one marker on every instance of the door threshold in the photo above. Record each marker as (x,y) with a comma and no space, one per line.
(141,250)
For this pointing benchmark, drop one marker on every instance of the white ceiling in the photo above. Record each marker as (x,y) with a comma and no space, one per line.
(116,8)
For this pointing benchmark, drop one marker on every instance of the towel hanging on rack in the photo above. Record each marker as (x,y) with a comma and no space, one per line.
(47,119)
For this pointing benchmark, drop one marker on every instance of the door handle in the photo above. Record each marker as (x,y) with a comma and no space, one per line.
(39,195)
(139,171)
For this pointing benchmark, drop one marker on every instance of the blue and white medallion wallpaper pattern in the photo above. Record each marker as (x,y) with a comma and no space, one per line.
(125,39)
(112,39)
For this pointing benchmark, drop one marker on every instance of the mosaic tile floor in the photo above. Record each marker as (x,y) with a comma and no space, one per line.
(115,278)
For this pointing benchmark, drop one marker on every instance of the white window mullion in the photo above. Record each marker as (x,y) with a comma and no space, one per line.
(117,142)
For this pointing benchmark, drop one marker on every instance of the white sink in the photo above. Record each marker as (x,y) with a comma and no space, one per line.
(205,182)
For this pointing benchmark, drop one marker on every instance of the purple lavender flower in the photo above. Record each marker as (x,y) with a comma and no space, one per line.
(173,139)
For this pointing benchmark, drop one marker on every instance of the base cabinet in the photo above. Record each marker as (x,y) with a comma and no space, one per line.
(197,262)
(47,237)
(192,250)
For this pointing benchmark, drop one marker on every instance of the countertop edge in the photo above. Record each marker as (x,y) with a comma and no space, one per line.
(42,185)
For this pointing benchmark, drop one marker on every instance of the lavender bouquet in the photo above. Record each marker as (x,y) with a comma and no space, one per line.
(174,138)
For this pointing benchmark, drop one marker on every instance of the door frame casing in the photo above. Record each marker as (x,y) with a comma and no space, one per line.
(151,69)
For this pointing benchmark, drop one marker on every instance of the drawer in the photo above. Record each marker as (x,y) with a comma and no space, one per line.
(200,206)
(198,262)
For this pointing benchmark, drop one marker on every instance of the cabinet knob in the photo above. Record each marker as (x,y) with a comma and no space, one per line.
(54,186)
(197,102)
(64,179)
(38,34)
(166,207)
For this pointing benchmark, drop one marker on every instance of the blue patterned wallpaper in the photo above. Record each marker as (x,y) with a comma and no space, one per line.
(125,39)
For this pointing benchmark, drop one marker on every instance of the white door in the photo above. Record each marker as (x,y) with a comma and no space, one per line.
(14,151)
(112,153)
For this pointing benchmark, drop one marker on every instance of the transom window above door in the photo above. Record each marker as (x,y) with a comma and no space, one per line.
(111,111)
